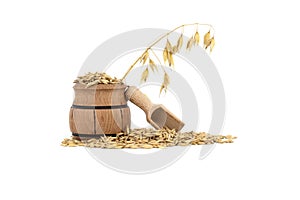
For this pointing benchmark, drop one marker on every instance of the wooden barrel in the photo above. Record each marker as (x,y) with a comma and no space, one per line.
(97,110)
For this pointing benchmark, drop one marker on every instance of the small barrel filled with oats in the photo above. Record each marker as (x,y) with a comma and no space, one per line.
(99,107)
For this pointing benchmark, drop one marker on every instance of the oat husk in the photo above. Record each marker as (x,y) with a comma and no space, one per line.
(96,78)
(150,138)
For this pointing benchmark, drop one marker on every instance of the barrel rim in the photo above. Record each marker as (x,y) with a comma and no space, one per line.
(118,86)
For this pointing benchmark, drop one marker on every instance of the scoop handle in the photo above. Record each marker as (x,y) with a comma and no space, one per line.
(139,99)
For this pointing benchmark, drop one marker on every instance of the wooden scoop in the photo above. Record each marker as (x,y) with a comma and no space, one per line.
(156,114)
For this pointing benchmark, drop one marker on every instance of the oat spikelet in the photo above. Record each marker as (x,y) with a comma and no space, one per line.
(152,65)
(175,49)
(165,83)
(190,43)
(212,43)
(206,40)
(166,80)
(162,87)
(197,38)
(165,55)
(171,62)
(168,46)
(145,57)
(145,75)
(170,58)
(180,42)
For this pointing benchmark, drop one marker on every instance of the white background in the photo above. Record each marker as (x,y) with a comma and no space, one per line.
(42,46)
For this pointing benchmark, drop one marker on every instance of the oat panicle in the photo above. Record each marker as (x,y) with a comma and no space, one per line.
(148,61)
(170,50)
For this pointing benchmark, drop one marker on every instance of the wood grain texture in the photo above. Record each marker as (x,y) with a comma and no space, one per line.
(99,121)
(82,121)
(165,118)
(100,95)
(112,121)
(139,99)
(157,115)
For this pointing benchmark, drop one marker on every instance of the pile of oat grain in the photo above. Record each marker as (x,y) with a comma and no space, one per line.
(96,78)
(150,138)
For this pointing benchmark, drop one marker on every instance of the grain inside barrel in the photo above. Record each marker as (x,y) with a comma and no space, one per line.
(97,110)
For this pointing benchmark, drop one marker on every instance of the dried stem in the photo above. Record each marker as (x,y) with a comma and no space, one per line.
(158,40)
(157,58)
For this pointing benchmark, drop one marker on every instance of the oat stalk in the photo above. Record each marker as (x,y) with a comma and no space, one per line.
(170,50)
